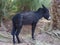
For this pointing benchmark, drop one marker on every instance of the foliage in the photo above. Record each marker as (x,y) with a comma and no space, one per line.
(12,6)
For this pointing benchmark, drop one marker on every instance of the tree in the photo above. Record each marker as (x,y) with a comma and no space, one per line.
(56,14)
(0,11)
(54,29)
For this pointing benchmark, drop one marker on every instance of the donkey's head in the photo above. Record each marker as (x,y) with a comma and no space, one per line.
(46,14)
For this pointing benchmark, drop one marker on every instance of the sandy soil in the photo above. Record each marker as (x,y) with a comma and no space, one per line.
(25,36)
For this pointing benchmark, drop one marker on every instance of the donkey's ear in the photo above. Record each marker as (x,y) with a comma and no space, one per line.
(43,6)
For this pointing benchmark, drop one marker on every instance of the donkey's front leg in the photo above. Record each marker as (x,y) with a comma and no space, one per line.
(33,30)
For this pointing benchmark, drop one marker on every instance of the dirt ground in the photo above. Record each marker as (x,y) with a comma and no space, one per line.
(25,35)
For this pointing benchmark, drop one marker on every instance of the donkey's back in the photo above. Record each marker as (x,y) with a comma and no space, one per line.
(25,17)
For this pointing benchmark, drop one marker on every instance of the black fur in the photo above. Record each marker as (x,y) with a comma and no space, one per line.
(28,18)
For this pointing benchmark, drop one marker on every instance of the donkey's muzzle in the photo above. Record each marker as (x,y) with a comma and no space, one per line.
(49,18)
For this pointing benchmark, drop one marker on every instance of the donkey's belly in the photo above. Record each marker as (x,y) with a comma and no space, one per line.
(27,22)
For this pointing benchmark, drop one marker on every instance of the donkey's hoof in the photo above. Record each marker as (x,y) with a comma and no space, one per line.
(33,38)
(14,43)
(19,42)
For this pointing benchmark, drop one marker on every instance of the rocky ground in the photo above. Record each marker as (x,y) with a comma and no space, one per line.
(25,36)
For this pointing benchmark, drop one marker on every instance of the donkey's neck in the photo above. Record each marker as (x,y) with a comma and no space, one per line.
(39,15)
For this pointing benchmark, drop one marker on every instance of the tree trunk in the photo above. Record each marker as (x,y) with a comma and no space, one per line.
(0,12)
(55,14)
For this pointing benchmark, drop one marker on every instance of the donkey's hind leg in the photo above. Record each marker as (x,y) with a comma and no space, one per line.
(19,26)
(17,33)
(13,34)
